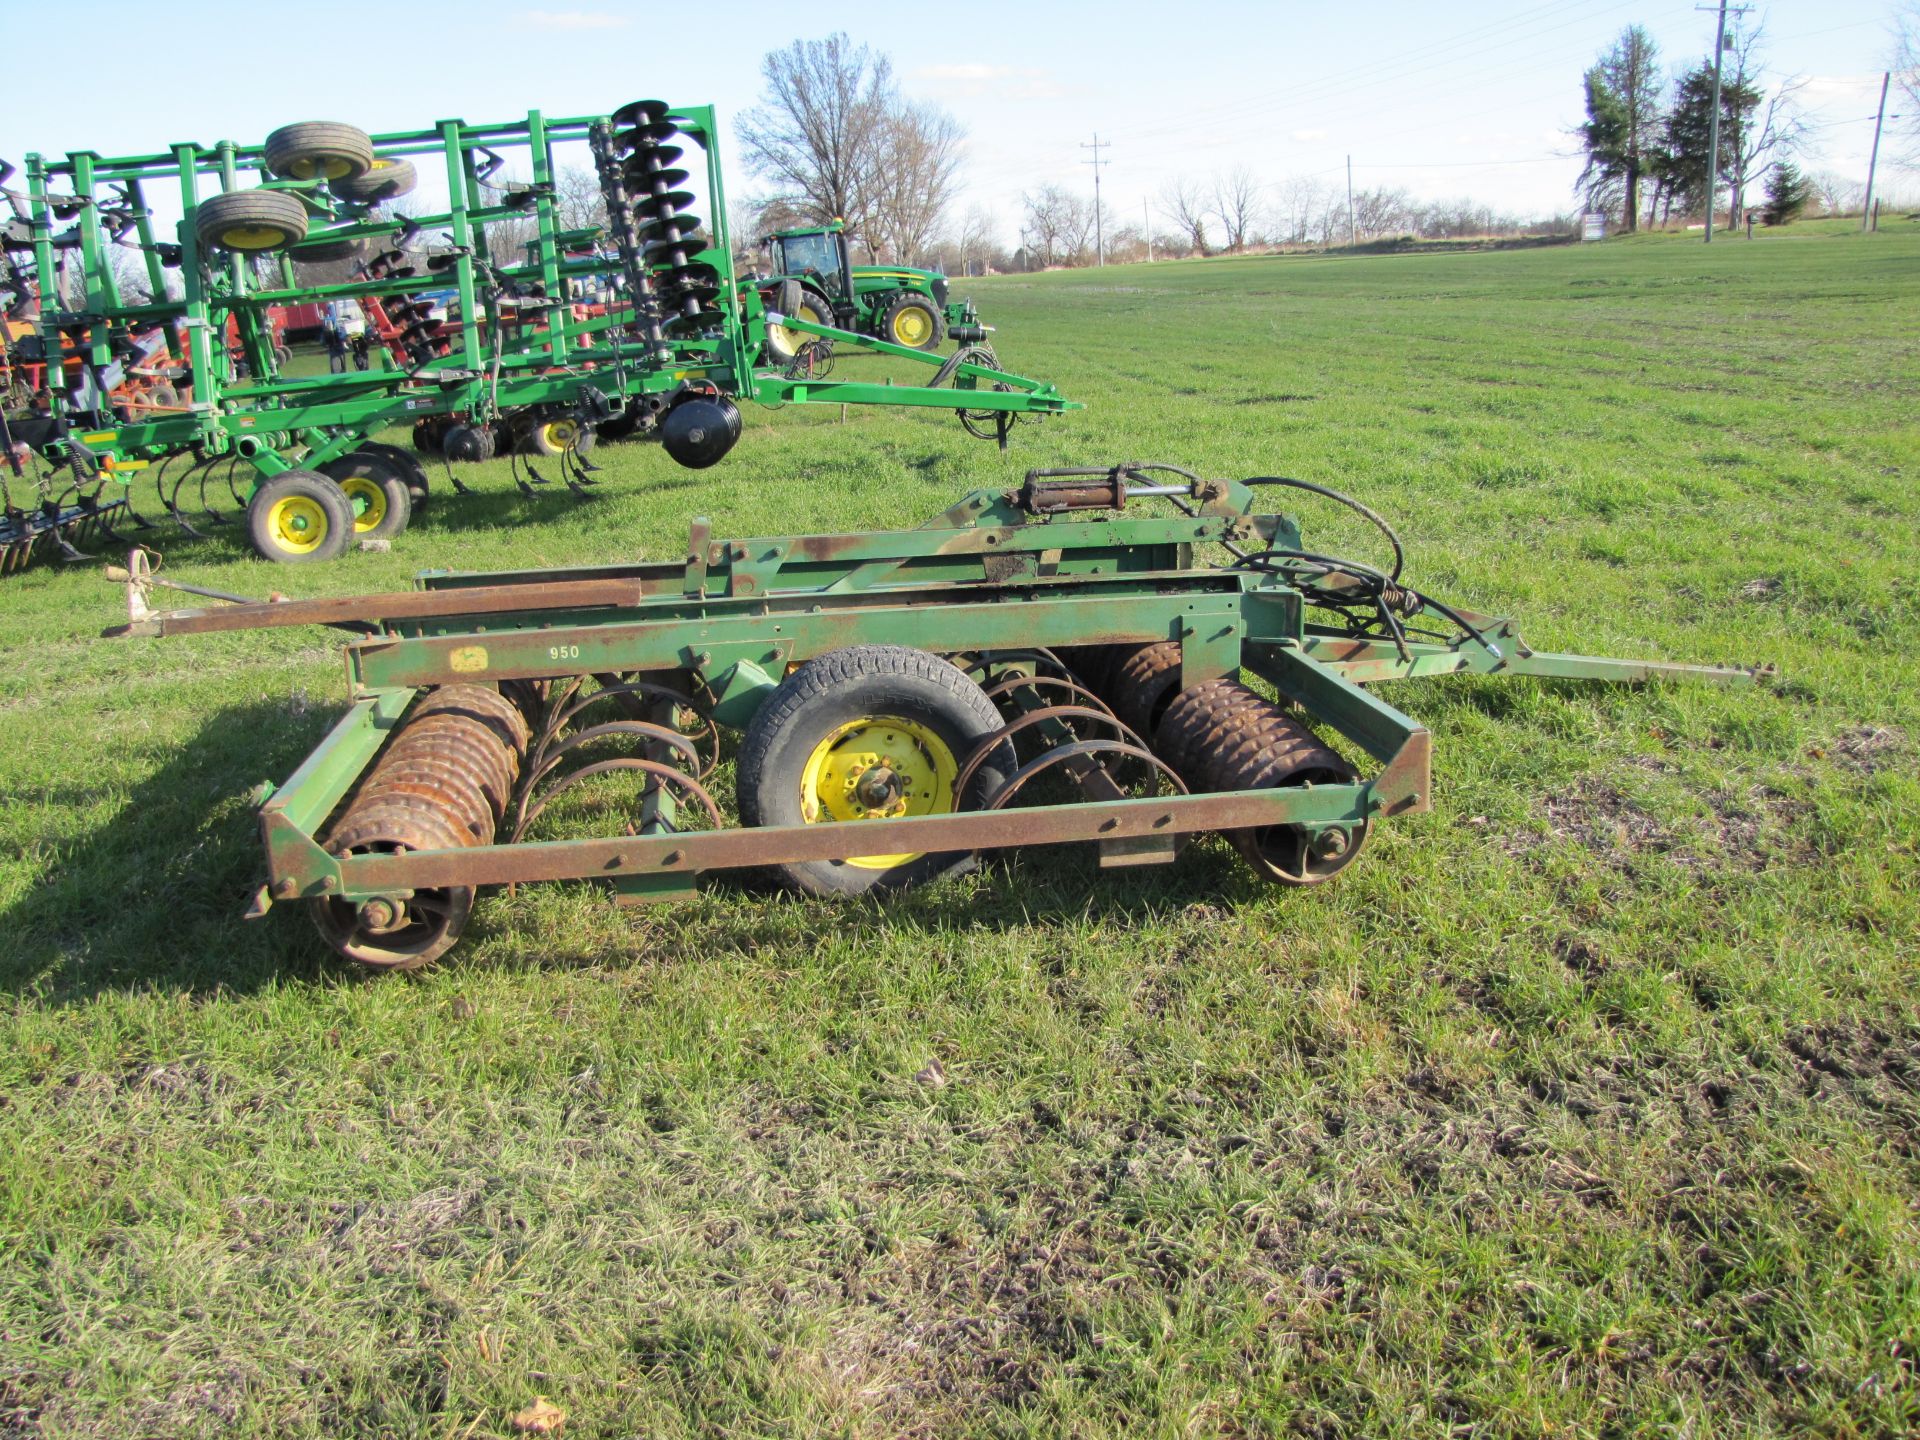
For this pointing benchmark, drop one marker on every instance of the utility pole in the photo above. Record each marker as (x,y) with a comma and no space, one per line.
(1353,237)
(1866,206)
(1099,232)
(1713,122)
(1146,221)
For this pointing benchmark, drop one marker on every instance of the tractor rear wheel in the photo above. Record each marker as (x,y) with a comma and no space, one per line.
(872,732)
(377,491)
(913,321)
(250,221)
(299,517)
(318,149)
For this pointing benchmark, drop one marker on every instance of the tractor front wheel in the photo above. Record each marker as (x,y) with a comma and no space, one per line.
(915,322)
(299,517)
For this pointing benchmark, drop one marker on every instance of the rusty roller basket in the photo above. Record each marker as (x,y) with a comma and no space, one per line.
(1121,657)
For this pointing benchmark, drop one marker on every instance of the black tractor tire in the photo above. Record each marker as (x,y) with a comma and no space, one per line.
(300,517)
(385,180)
(377,491)
(410,468)
(919,317)
(250,221)
(319,149)
(849,692)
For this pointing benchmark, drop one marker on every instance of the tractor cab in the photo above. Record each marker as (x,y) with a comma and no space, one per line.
(816,257)
(814,279)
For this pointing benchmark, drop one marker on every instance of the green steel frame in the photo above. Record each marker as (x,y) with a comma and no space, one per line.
(275,422)
(1003,572)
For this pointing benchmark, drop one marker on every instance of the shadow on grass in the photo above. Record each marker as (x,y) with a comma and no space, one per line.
(152,896)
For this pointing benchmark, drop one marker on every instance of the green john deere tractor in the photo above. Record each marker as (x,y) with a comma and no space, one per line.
(813,279)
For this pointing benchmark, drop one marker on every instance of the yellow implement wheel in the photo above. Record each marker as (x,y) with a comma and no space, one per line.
(558,435)
(299,525)
(879,768)
(299,517)
(254,237)
(869,733)
(369,501)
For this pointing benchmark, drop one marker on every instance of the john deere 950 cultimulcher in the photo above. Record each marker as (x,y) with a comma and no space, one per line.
(1117,657)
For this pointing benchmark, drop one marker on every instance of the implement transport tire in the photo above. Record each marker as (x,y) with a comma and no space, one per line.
(870,732)
(299,517)
(409,466)
(319,149)
(250,221)
(384,180)
(377,491)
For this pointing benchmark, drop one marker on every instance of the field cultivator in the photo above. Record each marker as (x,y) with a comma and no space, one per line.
(635,327)
(1037,666)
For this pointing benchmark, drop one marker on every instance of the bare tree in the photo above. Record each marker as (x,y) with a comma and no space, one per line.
(975,237)
(1381,211)
(1058,225)
(1185,205)
(1299,202)
(916,170)
(577,201)
(1906,71)
(1236,201)
(818,133)
(1774,130)
(1835,194)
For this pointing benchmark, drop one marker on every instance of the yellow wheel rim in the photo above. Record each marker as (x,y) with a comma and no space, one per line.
(253,237)
(781,338)
(297,524)
(559,433)
(369,501)
(912,327)
(878,768)
(331,167)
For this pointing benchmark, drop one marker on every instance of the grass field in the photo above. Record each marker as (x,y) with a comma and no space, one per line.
(1587,1105)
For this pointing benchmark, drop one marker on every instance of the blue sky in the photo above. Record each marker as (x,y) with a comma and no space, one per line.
(1444,99)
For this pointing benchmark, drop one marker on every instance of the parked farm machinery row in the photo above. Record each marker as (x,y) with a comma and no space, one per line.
(510,360)
(1037,666)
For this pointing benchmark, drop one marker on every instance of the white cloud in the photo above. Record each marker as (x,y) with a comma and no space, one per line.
(574,20)
(974,80)
(1306,135)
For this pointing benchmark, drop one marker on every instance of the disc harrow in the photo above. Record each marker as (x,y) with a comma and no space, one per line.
(1061,662)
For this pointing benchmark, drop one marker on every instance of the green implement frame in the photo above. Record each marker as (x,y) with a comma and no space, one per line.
(486,338)
(1131,654)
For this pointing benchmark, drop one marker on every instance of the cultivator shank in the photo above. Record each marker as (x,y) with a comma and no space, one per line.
(1051,664)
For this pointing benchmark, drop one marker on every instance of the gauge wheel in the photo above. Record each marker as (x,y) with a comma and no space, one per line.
(250,221)
(377,491)
(299,517)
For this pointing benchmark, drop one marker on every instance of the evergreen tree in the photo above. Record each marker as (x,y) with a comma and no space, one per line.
(1788,192)
(1693,181)
(1623,123)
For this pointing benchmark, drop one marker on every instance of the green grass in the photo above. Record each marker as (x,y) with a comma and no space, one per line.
(1588,1104)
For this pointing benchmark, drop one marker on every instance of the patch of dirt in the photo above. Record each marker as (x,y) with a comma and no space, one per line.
(1868,748)
(1599,815)
(1765,587)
